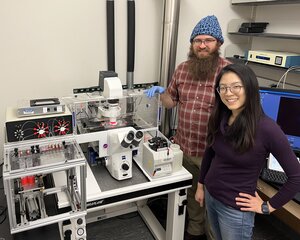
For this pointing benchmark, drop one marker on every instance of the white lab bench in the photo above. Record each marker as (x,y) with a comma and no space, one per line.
(107,197)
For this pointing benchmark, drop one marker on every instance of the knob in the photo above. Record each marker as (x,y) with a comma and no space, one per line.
(125,166)
(80,231)
(79,221)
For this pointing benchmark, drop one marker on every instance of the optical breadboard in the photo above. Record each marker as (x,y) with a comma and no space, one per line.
(279,59)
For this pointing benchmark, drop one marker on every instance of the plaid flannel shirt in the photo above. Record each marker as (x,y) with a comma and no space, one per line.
(195,99)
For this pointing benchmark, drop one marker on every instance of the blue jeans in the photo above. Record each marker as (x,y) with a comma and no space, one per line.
(228,223)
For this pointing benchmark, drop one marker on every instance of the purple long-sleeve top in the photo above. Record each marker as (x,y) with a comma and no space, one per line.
(225,173)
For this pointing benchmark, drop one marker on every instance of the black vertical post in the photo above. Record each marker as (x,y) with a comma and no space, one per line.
(130,42)
(130,50)
(110,26)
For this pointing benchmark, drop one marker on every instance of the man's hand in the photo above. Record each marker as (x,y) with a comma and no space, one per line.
(199,196)
(155,89)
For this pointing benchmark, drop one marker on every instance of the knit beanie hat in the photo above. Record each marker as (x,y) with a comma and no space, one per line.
(208,26)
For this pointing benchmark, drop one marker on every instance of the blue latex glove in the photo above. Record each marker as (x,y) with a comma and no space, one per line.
(155,89)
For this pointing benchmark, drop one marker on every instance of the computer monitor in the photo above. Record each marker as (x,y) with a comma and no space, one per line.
(284,107)
(273,164)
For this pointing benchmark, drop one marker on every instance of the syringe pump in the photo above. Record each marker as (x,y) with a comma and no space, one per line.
(159,159)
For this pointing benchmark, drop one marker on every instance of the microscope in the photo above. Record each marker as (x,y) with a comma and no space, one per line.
(121,144)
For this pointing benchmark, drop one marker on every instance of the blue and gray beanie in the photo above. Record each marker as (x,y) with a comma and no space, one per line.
(208,26)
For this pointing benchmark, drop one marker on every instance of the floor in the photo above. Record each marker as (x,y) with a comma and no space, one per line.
(270,228)
(131,226)
(266,228)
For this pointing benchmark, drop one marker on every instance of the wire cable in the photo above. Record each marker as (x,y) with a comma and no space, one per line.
(283,77)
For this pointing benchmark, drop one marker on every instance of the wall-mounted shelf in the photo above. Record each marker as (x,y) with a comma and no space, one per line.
(243,41)
(268,35)
(258,2)
(285,38)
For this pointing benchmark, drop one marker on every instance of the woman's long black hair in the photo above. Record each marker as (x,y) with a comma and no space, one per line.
(242,132)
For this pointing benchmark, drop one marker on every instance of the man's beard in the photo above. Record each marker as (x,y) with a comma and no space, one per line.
(203,68)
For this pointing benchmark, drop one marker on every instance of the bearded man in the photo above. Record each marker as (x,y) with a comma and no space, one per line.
(192,89)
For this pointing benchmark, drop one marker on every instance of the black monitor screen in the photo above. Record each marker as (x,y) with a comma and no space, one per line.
(284,107)
(289,115)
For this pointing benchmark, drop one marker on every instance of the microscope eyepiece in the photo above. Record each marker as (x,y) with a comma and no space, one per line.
(137,138)
(127,139)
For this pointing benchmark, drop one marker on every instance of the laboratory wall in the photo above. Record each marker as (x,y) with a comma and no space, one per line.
(192,11)
(50,47)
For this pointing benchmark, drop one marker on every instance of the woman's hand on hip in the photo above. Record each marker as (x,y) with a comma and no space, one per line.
(250,203)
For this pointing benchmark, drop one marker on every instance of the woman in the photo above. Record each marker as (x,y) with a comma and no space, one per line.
(240,137)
